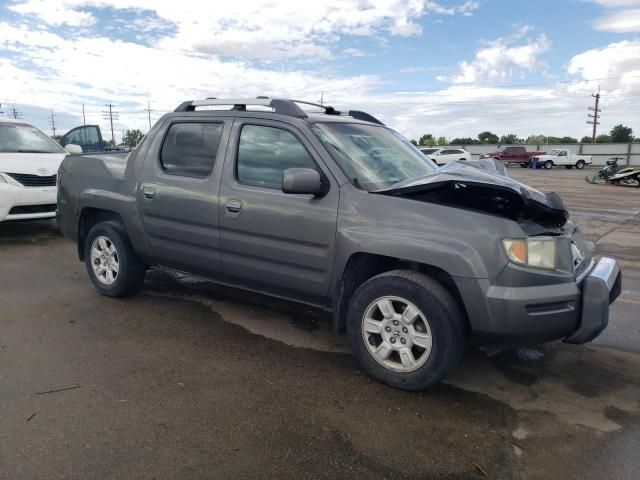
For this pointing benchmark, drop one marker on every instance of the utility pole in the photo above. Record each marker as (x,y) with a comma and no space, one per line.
(110,116)
(149,112)
(322,98)
(596,114)
(84,120)
(52,123)
(15,113)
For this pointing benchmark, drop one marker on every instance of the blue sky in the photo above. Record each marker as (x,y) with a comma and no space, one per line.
(452,67)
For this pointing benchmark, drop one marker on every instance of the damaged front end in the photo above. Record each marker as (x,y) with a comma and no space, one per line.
(482,188)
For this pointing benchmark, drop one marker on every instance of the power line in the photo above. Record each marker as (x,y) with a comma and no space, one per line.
(595,115)
(109,116)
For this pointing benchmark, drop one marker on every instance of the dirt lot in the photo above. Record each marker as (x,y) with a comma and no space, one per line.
(191,380)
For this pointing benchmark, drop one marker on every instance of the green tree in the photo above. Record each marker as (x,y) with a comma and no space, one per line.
(536,140)
(510,139)
(585,139)
(464,141)
(603,138)
(132,138)
(427,139)
(621,134)
(488,137)
(568,139)
(442,141)
(414,142)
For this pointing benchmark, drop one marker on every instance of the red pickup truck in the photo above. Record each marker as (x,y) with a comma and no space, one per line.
(512,154)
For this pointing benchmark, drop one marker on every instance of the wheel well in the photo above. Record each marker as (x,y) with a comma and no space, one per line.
(363,266)
(90,217)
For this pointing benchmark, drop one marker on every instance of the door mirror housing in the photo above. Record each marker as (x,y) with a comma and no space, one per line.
(303,181)
(73,148)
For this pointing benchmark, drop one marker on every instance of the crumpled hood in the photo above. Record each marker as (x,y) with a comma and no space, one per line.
(464,185)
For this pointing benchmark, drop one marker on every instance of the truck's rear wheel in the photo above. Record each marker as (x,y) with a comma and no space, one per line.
(405,329)
(580,164)
(548,164)
(112,264)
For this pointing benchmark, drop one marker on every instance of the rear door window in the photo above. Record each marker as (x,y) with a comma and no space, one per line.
(264,153)
(190,149)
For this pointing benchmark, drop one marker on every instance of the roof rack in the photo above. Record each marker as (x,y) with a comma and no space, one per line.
(280,106)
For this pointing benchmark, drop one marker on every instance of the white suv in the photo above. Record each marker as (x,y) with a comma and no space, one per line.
(445,155)
(29,161)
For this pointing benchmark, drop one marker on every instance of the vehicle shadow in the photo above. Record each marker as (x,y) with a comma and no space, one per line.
(28,231)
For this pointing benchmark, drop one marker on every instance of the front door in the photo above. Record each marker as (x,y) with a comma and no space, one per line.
(272,241)
(178,195)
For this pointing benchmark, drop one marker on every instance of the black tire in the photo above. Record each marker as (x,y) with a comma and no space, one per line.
(439,308)
(580,164)
(131,271)
(548,164)
(524,165)
(568,167)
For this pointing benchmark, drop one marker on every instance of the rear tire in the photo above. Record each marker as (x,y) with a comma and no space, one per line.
(548,164)
(405,329)
(111,262)
(580,164)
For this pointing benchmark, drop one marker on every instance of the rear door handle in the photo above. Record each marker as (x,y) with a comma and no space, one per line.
(149,192)
(234,206)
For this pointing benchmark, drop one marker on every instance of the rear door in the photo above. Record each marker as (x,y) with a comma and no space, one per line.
(178,194)
(272,241)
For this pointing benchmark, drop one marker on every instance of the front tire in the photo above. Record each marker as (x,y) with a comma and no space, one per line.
(405,329)
(548,164)
(111,262)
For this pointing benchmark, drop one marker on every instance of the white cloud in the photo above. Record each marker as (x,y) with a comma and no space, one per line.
(261,29)
(624,21)
(616,68)
(501,59)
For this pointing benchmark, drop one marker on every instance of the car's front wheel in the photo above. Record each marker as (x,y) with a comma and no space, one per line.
(548,164)
(406,329)
(112,264)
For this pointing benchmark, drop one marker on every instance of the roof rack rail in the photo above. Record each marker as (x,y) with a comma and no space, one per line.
(281,106)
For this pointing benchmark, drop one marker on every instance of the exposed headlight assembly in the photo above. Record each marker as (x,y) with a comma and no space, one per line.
(536,252)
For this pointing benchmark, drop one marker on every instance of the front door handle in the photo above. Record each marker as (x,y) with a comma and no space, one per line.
(234,206)
(149,192)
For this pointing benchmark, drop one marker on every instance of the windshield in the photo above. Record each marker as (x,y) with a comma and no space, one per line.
(555,151)
(20,137)
(373,157)
(429,151)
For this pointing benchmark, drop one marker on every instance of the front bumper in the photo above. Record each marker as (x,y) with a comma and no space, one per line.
(31,198)
(600,288)
(576,311)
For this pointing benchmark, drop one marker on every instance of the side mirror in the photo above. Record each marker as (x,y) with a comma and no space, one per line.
(303,181)
(73,148)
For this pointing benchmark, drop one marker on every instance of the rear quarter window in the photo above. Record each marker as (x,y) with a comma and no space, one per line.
(190,149)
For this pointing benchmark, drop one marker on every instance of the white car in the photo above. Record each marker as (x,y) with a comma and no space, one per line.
(29,161)
(445,155)
(561,156)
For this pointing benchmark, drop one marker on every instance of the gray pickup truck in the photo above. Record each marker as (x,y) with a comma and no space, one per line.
(338,211)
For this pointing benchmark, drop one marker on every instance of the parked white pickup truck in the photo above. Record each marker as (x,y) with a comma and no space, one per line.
(560,156)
